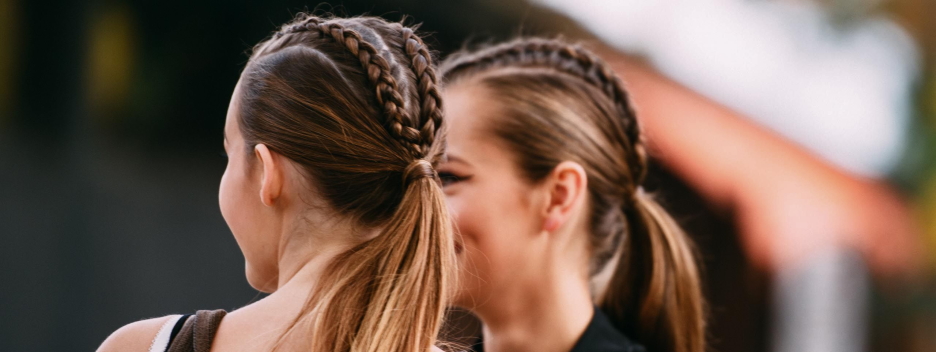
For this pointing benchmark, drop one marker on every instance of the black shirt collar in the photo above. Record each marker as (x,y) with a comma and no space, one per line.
(599,336)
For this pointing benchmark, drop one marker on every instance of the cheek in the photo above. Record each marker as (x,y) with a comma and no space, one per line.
(495,222)
(229,197)
(242,212)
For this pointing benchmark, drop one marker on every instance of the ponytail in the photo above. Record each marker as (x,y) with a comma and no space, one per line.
(388,294)
(655,292)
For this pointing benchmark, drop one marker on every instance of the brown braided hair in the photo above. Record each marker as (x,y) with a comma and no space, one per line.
(559,102)
(378,72)
(353,102)
(421,64)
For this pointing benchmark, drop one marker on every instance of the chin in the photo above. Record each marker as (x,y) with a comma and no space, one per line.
(469,295)
(265,283)
(465,304)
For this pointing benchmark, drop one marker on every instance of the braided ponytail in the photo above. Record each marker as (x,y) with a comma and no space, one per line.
(328,95)
(559,102)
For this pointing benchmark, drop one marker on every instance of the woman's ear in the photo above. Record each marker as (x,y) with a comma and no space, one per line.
(566,187)
(271,174)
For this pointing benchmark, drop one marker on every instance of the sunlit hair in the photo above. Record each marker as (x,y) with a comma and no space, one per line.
(559,102)
(354,103)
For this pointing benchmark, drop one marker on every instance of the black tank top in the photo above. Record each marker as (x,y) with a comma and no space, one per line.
(194,333)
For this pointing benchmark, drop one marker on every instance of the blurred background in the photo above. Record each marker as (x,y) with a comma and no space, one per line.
(110,137)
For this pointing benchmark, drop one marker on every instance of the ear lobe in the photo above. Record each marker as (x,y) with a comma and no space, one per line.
(567,185)
(552,222)
(271,178)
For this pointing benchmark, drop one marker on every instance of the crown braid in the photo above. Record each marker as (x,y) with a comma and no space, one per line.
(378,73)
(567,58)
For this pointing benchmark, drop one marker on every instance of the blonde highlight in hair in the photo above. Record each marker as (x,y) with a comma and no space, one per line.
(354,103)
(408,263)
(559,102)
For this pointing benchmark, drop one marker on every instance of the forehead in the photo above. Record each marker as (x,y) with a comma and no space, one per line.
(468,111)
(230,120)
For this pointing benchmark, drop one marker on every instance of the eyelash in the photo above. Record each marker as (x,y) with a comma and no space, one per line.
(449,178)
(223,154)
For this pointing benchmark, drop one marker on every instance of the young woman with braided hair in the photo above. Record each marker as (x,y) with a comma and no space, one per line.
(331,194)
(544,173)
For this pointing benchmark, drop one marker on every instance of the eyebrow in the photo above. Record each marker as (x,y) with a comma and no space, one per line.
(456,159)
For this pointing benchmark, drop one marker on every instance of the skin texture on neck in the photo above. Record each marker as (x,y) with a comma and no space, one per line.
(258,326)
(550,304)
(548,313)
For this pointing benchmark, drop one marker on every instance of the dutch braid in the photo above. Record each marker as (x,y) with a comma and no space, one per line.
(378,72)
(569,59)
(430,116)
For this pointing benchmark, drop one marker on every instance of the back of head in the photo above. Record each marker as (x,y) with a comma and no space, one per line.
(559,102)
(353,103)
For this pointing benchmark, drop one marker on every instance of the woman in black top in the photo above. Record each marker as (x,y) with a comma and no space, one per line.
(544,172)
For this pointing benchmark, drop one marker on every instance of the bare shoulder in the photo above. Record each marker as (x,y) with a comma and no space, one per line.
(136,336)
(435,349)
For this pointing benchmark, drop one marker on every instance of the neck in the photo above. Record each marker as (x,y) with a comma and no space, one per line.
(269,319)
(548,313)
(303,260)
(303,276)
(305,251)
(304,268)
(297,281)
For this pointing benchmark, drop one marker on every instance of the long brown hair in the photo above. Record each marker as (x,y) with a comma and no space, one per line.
(354,103)
(560,102)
